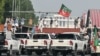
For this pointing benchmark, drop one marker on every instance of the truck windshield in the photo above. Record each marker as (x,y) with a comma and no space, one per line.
(2,37)
(65,36)
(40,36)
(21,36)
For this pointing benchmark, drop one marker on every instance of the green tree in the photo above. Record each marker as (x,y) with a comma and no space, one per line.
(21,5)
(2,3)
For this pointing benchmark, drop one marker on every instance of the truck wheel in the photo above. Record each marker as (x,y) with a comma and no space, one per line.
(64,54)
(29,53)
(83,52)
(22,51)
(88,51)
(10,53)
(19,52)
(48,53)
(38,53)
(93,54)
(54,53)
(0,53)
(98,54)
(74,52)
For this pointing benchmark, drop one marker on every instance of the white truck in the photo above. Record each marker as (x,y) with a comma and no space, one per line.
(4,44)
(69,42)
(15,44)
(22,38)
(9,45)
(40,43)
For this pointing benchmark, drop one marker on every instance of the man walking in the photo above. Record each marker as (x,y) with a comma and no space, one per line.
(95,31)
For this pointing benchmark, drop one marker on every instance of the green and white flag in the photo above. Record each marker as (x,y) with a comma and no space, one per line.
(95,33)
(64,11)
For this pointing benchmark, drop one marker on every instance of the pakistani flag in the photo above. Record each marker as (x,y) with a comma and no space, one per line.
(64,11)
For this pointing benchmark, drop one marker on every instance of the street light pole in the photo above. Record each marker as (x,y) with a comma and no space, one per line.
(13,7)
(19,8)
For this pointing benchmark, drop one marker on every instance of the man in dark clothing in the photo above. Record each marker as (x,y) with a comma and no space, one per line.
(19,29)
(76,22)
(51,22)
(89,34)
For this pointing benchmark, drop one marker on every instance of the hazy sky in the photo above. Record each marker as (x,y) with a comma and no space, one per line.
(77,6)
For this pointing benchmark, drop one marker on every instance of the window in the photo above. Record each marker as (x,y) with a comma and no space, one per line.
(60,23)
(2,37)
(40,36)
(63,23)
(78,37)
(65,36)
(21,36)
(52,36)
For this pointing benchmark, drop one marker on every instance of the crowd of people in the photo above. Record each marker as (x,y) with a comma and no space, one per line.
(13,24)
(88,32)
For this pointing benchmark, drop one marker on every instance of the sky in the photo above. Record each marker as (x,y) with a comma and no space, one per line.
(78,7)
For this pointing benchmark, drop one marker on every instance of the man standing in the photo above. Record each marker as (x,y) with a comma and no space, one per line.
(51,22)
(82,31)
(76,22)
(89,32)
(95,31)
(8,32)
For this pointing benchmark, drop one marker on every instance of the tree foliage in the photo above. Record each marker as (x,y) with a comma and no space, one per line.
(20,5)
(2,3)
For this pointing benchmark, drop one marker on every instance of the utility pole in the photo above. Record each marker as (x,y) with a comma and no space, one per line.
(19,8)
(13,7)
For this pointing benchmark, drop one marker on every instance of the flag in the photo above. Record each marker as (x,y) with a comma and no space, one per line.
(64,11)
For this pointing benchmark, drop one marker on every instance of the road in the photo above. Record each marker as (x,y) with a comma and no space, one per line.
(40,55)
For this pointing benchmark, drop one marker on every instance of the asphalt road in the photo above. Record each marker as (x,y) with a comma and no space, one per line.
(40,55)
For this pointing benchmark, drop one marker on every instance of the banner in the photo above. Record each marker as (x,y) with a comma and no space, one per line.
(30,22)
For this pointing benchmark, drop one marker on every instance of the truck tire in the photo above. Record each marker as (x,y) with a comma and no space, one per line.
(22,51)
(64,54)
(19,51)
(38,53)
(98,54)
(54,53)
(29,53)
(10,53)
(0,53)
(93,54)
(75,51)
(84,51)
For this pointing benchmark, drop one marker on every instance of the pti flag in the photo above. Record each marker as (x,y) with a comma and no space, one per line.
(64,11)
